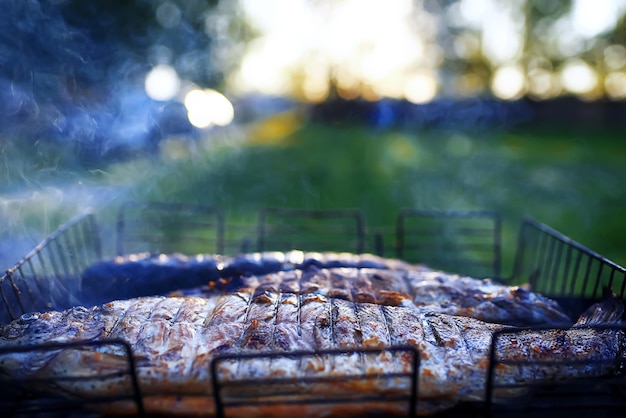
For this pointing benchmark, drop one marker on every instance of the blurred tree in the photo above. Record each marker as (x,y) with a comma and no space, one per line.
(541,22)
(37,55)
(613,56)
(55,54)
(422,49)
(124,36)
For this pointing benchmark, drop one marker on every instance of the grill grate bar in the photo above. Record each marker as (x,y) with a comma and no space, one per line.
(566,273)
(34,404)
(450,239)
(563,269)
(496,360)
(219,386)
(145,226)
(293,381)
(337,230)
(44,278)
(596,288)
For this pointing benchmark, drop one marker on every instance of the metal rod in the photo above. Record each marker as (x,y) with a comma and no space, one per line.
(131,365)
(219,386)
(575,272)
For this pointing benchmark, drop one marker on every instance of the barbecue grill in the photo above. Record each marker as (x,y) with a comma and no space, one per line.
(52,276)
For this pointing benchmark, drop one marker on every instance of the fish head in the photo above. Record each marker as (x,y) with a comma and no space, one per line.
(49,327)
(33,328)
(38,346)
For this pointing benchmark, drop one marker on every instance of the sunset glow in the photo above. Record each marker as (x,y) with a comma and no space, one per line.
(372,49)
(368,47)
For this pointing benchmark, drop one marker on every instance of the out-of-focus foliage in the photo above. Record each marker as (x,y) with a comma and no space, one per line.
(192,36)
(424,50)
(73,71)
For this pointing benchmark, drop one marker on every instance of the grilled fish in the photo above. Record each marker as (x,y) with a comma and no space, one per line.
(134,275)
(351,277)
(429,290)
(175,339)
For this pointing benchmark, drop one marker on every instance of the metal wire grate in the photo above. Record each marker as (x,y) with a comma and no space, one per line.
(559,267)
(49,276)
(579,397)
(160,227)
(282,229)
(466,242)
(20,397)
(301,391)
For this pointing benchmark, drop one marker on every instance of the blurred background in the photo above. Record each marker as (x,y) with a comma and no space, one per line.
(516,106)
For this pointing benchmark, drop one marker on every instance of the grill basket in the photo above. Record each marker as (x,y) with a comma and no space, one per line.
(51,277)
(310,230)
(465,241)
(161,227)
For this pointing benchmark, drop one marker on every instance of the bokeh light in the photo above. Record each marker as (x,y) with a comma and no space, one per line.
(542,83)
(578,77)
(168,15)
(364,48)
(508,83)
(615,85)
(162,83)
(591,18)
(208,107)
(420,51)
(421,88)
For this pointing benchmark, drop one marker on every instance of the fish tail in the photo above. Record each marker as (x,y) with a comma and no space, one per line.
(608,311)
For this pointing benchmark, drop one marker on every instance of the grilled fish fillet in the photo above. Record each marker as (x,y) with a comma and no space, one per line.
(174,340)
(351,277)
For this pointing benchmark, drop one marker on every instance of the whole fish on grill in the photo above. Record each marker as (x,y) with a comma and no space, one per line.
(174,340)
(135,275)
(352,277)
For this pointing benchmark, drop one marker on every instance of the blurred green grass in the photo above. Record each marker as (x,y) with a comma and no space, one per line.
(570,180)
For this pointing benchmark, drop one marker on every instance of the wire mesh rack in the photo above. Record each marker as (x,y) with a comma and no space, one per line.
(579,397)
(561,268)
(467,242)
(282,229)
(21,396)
(244,393)
(50,277)
(162,227)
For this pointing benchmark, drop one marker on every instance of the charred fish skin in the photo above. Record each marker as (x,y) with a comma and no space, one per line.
(483,299)
(146,274)
(428,290)
(592,347)
(379,280)
(175,339)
